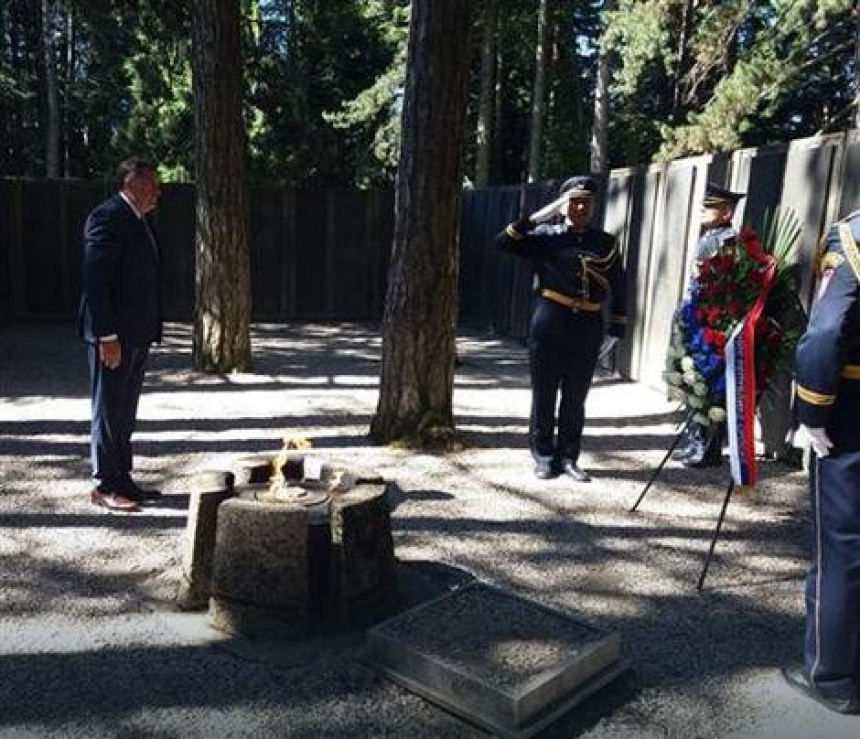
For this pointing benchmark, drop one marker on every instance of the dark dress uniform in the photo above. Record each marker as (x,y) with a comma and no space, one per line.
(828,397)
(575,273)
(714,240)
(703,447)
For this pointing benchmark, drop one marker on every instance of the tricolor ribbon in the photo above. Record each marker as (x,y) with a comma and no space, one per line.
(741,386)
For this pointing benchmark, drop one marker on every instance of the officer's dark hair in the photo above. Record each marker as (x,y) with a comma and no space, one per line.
(134,167)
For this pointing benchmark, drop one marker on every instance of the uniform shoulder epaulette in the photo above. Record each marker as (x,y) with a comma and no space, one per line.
(830,260)
(817,264)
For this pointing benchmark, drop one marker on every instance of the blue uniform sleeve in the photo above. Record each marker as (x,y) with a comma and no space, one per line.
(524,239)
(101,254)
(821,352)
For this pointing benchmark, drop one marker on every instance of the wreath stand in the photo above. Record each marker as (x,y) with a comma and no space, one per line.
(729,491)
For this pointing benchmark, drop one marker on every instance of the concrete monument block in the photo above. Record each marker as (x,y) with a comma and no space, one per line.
(362,547)
(254,470)
(208,490)
(500,661)
(260,578)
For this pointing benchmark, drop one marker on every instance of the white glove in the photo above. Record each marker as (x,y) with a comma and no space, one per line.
(556,207)
(816,438)
(606,346)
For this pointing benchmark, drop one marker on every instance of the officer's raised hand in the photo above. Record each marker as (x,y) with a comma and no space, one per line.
(556,207)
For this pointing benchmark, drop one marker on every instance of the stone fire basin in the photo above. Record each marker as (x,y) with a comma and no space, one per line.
(284,567)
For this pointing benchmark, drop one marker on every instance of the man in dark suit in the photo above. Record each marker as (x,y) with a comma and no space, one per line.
(120,316)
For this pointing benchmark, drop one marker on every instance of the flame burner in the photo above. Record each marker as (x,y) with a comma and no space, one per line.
(301,543)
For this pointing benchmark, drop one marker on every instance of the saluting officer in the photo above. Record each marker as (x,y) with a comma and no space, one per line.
(703,447)
(577,268)
(828,408)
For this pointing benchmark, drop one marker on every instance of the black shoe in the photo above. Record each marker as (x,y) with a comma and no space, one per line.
(569,468)
(544,471)
(133,491)
(681,453)
(704,453)
(797,678)
(701,459)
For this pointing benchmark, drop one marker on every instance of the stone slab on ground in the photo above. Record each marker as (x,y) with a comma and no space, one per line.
(498,660)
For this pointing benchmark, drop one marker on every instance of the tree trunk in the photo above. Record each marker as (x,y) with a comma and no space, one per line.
(600,122)
(856,12)
(52,95)
(6,119)
(68,122)
(419,325)
(538,96)
(485,99)
(498,144)
(681,57)
(223,293)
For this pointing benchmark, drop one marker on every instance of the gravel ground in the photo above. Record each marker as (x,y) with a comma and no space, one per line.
(90,644)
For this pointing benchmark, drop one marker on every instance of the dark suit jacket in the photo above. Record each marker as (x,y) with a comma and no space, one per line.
(121,285)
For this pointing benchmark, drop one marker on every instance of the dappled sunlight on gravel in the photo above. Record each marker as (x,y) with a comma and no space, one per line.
(478,510)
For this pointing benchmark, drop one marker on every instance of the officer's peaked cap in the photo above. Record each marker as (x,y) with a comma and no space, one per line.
(716,196)
(579,187)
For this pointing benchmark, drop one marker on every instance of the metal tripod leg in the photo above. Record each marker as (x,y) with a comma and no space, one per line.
(661,465)
(716,534)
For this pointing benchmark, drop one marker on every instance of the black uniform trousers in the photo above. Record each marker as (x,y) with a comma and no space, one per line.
(115,394)
(563,349)
(832,651)
(833,582)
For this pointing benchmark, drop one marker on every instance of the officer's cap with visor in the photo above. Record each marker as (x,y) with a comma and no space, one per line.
(715,196)
(578,187)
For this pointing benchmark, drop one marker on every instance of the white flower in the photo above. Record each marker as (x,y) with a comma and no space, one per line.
(687,364)
(717,414)
(674,378)
(690,378)
(675,393)
(701,419)
(694,401)
(701,389)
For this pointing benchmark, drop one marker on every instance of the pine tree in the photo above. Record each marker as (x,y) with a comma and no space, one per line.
(418,332)
(223,290)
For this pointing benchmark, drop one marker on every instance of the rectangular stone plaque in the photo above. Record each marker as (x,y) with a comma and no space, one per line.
(498,660)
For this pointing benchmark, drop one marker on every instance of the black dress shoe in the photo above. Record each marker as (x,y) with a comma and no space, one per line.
(797,678)
(570,469)
(701,461)
(681,453)
(544,471)
(704,454)
(132,490)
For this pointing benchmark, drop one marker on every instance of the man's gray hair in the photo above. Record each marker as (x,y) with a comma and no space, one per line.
(133,167)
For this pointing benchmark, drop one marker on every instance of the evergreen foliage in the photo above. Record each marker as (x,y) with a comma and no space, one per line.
(324,83)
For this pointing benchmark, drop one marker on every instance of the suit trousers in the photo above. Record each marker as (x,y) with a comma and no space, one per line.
(115,394)
(833,582)
(563,348)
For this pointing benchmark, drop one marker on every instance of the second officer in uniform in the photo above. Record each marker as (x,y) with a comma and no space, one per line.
(577,268)
(828,409)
